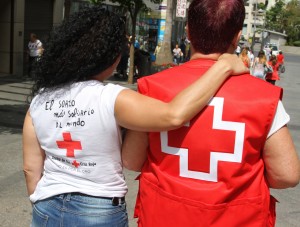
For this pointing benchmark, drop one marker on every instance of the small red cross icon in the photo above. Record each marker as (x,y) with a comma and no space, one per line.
(69,144)
(75,163)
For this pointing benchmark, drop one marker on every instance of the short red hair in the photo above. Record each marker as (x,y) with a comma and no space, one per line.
(214,23)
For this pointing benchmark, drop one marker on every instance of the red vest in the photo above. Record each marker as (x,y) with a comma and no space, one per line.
(209,172)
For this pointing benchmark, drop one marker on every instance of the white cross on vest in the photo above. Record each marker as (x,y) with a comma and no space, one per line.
(218,123)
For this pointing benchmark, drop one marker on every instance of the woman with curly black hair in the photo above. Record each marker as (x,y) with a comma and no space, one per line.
(71,134)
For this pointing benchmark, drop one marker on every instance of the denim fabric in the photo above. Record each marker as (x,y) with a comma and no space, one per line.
(69,210)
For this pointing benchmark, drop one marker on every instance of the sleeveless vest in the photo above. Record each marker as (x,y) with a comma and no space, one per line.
(209,172)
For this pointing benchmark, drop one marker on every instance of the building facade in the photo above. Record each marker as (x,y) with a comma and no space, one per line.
(254,20)
(19,18)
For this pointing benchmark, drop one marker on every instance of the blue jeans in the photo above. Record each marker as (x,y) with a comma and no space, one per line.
(70,210)
(177,59)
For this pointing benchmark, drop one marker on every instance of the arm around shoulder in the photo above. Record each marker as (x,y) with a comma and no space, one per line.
(281,160)
(141,113)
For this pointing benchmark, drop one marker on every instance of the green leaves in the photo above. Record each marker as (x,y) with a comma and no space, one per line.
(285,18)
(96,2)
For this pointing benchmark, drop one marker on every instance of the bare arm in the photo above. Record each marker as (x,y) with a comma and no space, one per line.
(134,150)
(137,112)
(33,156)
(281,160)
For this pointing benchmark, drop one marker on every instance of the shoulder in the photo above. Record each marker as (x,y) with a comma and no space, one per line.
(114,87)
(110,92)
(248,88)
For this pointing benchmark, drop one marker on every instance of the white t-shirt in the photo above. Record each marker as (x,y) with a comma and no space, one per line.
(76,128)
(281,118)
(177,52)
(35,48)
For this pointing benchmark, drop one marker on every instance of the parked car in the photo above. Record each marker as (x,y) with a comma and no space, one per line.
(274,48)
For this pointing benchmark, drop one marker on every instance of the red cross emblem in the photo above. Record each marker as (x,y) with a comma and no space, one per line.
(75,164)
(69,144)
(203,135)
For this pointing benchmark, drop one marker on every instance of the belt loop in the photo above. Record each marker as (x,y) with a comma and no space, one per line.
(115,201)
(68,197)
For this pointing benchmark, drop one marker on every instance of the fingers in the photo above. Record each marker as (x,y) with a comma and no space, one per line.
(235,63)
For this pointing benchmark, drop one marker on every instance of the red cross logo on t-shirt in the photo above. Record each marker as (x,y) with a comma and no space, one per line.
(75,163)
(204,165)
(69,144)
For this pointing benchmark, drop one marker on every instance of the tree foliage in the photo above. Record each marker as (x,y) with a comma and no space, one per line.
(285,18)
(293,21)
(261,6)
(96,1)
(276,17)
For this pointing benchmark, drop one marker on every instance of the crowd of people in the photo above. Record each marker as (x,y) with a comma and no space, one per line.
(265,66)
(199,159)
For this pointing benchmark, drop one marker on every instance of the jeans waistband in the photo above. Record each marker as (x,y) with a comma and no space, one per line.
(115,201)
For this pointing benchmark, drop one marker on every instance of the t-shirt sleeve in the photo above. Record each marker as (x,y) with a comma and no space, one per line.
(110,94)
(281,118)
(39,44)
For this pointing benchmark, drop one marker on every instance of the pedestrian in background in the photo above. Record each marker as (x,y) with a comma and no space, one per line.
(238,50)
(71,134)
(187,49)
(177,54)
(251,57)
(157,49)
(217,169)
(280,60)
(35,51)
(261,66)
(244,57)
(268,51)
(271,77)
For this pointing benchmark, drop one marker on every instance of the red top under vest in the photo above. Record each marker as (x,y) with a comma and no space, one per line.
(210,172)
(280,58)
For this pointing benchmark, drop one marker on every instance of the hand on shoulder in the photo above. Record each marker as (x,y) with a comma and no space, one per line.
(235,64)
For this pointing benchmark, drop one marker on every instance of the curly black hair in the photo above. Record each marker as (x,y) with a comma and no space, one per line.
(85,45)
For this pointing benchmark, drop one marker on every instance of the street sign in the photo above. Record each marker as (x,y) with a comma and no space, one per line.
(181,8)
